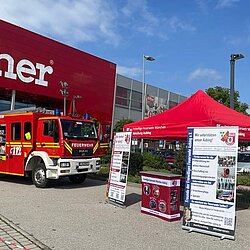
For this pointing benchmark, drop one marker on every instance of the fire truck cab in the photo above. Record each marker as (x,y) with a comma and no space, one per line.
(48,147)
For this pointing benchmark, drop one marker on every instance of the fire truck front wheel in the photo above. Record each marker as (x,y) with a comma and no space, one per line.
(77,179)
(39,176)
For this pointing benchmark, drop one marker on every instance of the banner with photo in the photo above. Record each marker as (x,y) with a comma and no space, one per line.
(154,105)
(119,167)
(210,187)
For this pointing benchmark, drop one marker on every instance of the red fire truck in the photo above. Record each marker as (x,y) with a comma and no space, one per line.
(32,67)
(48,147)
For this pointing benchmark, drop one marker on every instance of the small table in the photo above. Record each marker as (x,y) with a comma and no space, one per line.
(161,195)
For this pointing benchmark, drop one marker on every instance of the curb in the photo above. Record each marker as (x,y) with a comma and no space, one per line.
(23,233)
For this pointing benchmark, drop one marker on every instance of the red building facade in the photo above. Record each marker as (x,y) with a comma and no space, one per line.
(33,66)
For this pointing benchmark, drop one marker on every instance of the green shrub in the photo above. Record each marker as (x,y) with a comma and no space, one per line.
(106,159)
(180,160)
(104,171)
(243,198)
(135,163)
(134,179)
(154,161)
(146,168)
(177,171)
(119,124)
(243,179)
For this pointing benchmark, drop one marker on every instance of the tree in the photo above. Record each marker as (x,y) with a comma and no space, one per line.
(119,124)
(222,95)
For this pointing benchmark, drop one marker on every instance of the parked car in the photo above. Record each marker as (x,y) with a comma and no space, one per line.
(168,154)
(243,164)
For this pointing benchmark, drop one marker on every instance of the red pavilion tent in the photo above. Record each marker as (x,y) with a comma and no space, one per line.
(199,110)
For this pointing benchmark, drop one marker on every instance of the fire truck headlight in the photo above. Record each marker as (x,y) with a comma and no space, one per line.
(64,164)
(98,162)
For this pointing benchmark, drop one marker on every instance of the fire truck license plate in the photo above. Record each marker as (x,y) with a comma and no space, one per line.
(82,165)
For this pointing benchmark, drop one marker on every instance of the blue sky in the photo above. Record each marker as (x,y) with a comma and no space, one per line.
(191,39)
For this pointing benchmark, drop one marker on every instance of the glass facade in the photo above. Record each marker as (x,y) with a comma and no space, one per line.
(128,98)
(5,105)
(128,101)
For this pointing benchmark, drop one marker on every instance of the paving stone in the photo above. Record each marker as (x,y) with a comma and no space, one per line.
(23,241)
(13,237)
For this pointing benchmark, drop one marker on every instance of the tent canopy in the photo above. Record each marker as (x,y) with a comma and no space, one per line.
(199,110)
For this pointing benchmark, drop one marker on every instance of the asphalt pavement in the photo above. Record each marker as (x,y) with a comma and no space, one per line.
(76,217)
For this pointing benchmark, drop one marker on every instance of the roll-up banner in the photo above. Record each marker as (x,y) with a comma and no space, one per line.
(210,187)
(119,167)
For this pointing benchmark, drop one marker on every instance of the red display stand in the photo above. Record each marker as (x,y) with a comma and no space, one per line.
(161,195)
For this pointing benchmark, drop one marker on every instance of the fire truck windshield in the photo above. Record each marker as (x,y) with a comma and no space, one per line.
(78,129)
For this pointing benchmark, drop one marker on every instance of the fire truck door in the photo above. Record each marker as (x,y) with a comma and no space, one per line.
(3,162)
(15,150)
(49,139)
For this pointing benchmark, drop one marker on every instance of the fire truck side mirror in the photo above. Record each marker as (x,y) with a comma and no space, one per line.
(50,133)
(108,129)
(48,128)
(106,136)
(100,132)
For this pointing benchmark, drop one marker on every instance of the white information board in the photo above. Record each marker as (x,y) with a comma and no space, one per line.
(119,167)
(210,187)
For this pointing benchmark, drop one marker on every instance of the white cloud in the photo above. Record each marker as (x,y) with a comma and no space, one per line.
(74,20)
(203,5)
(204,73)
(207,5)
(175,24)
(141,19)
(225,3)
(132,72)
(129,72)
(235,41)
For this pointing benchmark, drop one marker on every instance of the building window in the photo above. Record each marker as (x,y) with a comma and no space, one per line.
(172,104)
(122,96)
(122,101)
(4,105)
(136,102)
(136,105)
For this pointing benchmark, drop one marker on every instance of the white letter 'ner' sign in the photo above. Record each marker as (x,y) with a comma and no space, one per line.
(26,67)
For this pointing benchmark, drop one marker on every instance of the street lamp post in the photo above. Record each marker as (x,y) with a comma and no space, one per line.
(233,58)
(148,58)
(74,103)
(64,93)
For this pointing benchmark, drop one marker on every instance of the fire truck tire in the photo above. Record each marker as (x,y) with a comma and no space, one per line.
(39,176)
(77,179)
